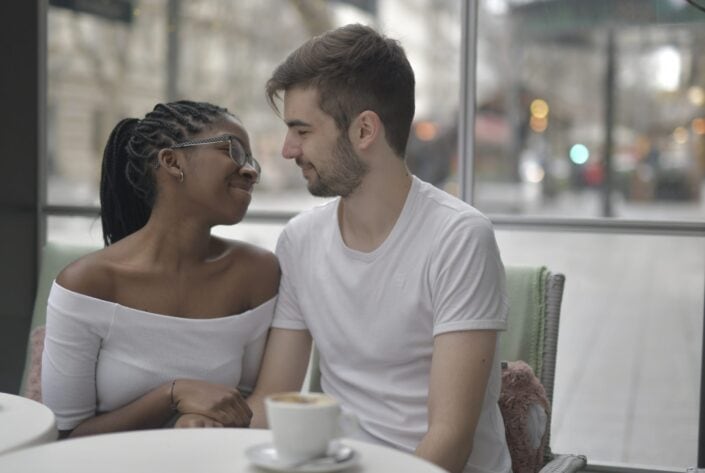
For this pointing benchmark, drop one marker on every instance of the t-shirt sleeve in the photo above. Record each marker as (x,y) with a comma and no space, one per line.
(467,278)
(71,347)
(288,313)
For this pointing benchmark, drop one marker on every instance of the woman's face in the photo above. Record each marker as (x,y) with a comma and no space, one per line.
(219,189)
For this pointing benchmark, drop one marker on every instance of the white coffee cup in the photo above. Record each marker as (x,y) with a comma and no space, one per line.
(302,424)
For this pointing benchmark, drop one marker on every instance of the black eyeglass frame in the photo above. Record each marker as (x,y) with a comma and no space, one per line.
(247,158)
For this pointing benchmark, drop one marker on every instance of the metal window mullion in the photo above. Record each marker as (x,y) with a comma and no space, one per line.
(466,120)
(42,85)
(541,224)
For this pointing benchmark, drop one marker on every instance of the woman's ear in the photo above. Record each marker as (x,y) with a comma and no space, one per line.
(168,160)
(367,128)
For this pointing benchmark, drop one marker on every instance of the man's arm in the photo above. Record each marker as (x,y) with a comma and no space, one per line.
(283,369)
(460,369)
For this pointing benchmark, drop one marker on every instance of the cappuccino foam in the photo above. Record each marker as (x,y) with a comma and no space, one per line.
(298,398)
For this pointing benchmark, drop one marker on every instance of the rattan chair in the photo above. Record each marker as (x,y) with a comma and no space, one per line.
(535,297)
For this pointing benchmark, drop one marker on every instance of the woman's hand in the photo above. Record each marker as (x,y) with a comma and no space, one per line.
(187,421)
(220,403)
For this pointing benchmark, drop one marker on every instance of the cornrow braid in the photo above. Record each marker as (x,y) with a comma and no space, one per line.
(127,184)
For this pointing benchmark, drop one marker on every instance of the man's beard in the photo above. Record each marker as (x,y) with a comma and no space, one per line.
(343,174)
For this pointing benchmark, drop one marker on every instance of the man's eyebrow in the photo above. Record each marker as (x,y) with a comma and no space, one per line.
(296,122)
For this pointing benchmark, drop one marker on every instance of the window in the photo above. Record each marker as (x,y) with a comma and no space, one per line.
(216,52)
(588,112)
(591,109)
(596,109)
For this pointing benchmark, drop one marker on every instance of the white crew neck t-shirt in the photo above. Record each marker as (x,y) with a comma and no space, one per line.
(99,355)
(373,316)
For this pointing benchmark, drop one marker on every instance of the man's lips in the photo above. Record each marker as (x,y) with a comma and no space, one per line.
(303,164)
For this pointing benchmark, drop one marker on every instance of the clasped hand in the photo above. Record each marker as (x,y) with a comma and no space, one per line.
(223,405)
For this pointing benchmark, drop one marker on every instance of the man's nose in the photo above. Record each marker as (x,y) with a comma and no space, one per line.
(290,149)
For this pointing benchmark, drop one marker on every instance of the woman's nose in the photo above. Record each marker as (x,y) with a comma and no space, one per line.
(249,171)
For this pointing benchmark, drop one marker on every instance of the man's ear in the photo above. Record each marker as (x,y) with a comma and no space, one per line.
(367,128)
(168,160)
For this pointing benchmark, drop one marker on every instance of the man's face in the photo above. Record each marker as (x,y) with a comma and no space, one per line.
(325,155)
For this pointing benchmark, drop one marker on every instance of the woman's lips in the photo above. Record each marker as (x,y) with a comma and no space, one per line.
(242,186)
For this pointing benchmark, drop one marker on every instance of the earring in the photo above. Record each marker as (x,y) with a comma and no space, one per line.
(181,176)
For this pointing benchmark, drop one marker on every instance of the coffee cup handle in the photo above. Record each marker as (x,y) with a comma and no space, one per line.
(348,424)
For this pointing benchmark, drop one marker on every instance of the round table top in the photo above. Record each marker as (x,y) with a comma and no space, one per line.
(25,423)
(184,450)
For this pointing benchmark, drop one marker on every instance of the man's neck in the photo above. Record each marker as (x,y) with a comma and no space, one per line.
(368,215)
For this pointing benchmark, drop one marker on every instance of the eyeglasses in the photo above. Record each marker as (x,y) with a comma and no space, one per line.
(236,150)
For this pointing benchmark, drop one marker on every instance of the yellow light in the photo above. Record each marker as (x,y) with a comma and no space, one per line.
(539,108)
(537,124)
(696,95)
(680,135)
(425,130)
(698,126)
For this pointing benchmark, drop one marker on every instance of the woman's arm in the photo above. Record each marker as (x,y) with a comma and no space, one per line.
(221,404)
(150,411)
(72,347)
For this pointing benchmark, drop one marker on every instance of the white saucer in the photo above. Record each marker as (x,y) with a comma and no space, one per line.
(265,456)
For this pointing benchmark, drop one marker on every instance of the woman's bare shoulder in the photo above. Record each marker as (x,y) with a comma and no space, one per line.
(250,253)
(261,267)
(90,275)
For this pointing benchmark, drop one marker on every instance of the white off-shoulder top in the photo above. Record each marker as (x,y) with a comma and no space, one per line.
(99,355)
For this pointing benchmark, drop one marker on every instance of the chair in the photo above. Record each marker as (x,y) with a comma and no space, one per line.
(535,296)
(55,256)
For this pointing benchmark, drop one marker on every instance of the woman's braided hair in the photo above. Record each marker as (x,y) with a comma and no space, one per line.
(127,184)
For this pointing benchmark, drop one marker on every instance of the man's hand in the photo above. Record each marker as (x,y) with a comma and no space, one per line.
(222,404)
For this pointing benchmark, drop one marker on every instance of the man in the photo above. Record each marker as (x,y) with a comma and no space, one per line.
(399,284)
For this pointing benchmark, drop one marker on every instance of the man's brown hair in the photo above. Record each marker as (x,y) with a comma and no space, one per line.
(354,69)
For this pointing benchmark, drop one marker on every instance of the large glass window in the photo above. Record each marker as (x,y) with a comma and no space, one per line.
(628,365)
(591,109)
(103,67)
(597,109)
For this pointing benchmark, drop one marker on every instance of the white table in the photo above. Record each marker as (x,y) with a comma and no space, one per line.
(184,450)
(24,423)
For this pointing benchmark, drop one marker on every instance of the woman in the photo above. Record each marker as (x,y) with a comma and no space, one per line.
(167,320)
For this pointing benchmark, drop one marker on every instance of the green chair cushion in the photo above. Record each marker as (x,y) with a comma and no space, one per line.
(524,338)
